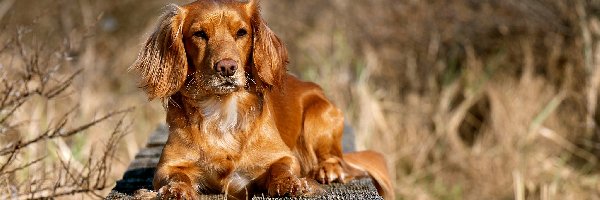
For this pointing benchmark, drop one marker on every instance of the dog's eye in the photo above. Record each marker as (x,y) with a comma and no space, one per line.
(201,34)
(241,33)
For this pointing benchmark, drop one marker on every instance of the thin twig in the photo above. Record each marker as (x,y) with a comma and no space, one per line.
(22,167)
(57,132)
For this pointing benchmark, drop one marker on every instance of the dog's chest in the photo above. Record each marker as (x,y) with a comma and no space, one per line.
(235,170)
(229,145)
(225,162)
(228,173)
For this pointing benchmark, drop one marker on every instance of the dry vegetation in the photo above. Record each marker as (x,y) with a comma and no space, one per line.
(468,99)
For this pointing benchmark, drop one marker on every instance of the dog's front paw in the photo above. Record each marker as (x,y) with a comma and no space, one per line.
(178,190)
(290,185)
(330,171)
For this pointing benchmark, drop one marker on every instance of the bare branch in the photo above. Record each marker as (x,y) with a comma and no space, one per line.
(13,153)
(57,132)
(62,86)
(22,167)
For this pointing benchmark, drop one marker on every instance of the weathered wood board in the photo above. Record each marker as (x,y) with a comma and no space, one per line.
(141,171)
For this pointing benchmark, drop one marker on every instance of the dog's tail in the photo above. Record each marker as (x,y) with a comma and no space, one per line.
(374,164)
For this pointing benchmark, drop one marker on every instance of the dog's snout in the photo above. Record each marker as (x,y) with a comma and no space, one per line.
(226,67)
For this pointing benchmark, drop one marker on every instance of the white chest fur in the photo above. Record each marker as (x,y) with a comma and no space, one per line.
(222,119)
(220,114)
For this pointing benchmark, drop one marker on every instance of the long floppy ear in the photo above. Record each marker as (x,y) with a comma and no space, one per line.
(162,62)
(269,54)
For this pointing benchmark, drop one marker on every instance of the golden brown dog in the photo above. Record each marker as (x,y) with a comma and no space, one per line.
(238,123)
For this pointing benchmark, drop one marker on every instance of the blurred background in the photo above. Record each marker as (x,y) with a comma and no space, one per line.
(468,99)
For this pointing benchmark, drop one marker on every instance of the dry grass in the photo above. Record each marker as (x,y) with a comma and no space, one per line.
(468,99)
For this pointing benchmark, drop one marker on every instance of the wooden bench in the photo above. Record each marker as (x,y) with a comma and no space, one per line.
(141,171)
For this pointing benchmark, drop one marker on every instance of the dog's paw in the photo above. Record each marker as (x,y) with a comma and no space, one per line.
(178,190)
(330,171)
(290,185)
(144,194)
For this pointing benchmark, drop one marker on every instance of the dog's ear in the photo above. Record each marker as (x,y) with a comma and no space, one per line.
(269,55)
(162,62)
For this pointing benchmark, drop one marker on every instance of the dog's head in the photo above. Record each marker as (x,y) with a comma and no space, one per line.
(210,47)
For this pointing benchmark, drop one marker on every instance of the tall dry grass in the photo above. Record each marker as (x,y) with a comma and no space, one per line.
(467,99)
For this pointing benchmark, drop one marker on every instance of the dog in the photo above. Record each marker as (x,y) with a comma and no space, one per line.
(239,124)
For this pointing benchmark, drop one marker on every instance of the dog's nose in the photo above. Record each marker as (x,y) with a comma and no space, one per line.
(226,67)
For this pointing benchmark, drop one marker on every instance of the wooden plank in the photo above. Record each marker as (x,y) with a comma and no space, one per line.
(159,137)
(141,170)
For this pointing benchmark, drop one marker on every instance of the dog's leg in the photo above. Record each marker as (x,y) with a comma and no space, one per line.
(174,183)
(175,177)
(283,179)
(323,128)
